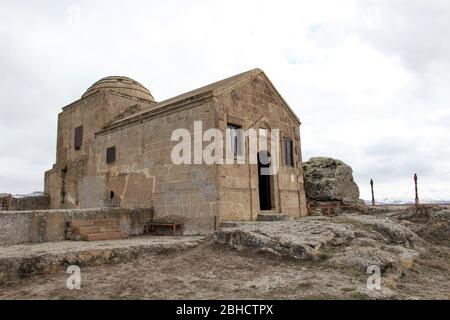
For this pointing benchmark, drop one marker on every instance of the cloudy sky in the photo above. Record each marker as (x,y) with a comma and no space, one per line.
(370,80)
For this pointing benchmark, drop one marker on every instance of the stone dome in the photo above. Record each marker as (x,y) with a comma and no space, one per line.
(121,85)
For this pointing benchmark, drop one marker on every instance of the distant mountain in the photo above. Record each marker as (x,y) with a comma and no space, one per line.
(33,194)
(389,201)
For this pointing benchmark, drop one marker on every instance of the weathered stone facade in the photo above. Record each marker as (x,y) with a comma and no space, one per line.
(120,113)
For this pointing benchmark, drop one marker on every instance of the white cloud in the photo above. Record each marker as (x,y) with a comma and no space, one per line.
(369,79)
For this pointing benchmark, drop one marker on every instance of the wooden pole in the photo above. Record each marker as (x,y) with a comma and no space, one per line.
(373,195)
(416,189)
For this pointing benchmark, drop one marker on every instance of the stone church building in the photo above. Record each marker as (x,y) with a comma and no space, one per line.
(114,150)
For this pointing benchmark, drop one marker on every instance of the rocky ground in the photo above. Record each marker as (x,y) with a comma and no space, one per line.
(313,258)
(26,260)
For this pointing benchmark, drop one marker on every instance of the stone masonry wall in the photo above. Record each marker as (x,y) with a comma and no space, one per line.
(145,176)
(24,203)
(29,203)
(18,227)
(93,113)
(257,105)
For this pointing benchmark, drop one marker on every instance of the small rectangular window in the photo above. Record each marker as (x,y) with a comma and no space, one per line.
(111,155)
(288,152)
(78,137)
(235,140)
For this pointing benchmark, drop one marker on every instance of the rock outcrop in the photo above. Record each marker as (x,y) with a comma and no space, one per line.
(328,179)
(431,223)
(24,261)
(331,181)
(350,240)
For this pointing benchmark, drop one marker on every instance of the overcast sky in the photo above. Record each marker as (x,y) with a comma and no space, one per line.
(370,80)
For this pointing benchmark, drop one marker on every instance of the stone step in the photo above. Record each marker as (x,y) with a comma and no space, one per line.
(81,223)
(110,229)
(84,230)
(272,216)
(105,236)
(106,222)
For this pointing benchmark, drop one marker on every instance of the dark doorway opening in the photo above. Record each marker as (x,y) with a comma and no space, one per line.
(264,181)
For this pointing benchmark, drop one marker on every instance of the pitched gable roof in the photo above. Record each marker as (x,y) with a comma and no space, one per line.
(213,89)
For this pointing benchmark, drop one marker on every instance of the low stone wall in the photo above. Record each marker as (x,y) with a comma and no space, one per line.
(24,203)
(18,227)
(29,203)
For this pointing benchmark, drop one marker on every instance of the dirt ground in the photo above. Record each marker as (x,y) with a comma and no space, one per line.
(213,271)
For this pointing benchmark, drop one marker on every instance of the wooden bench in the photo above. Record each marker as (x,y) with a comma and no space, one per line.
(150,228)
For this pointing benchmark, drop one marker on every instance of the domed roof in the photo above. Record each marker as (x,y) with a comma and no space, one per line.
(122,85)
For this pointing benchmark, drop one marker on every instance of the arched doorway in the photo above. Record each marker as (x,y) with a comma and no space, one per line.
(264,181)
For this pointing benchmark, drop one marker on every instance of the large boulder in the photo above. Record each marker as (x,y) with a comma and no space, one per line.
(328,179)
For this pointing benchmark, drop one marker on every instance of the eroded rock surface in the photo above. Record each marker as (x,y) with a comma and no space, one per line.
(349,240)
(23,261)
(341,247)
(429,222)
